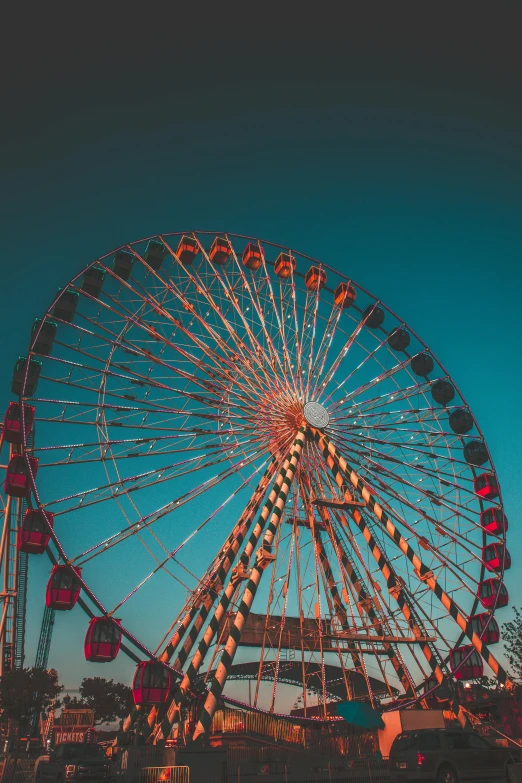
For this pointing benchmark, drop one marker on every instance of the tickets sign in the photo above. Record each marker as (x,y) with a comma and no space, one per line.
(77,734)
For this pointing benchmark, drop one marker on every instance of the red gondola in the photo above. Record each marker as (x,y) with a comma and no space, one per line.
(284,265)
(13,422)
(491,634)
(488,590)
(252,256)
(102,640)
(315,278)
(493,520)
(63,587)
(344,295)
(34,534)
(188,249)
(472,668)
(220,251)
(493,557)
(17,482)
(151,683)
(486,485)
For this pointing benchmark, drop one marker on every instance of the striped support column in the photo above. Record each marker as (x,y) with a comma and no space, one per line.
(365,602)
(201,601)
(166,725)
(329,450)
(394,586)
(227,658)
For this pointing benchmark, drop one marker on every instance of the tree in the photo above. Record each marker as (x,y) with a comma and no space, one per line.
(27,692)
(512,638)
(108,699)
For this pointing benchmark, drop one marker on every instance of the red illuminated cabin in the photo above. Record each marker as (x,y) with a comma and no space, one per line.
(102,640)
(494,521)
(486,627)
(220,251)
(486,485)
(488,590)
(63,587)
(34,534)
(17,483)
(151,683)
(188,249)
(473,666)
(315,278)
(13,422)
(493,556)
(344,295)
(284,265)
(252,256)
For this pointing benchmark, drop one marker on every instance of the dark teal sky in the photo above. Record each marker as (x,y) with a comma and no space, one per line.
(388,147)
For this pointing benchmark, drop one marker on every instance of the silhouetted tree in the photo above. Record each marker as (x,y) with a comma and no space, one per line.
(27,692)
(108,699)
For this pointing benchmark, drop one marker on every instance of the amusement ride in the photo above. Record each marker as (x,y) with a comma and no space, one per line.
(249,443)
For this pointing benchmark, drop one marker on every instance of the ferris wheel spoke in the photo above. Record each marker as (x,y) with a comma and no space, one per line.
(370,355)
(275,361)
(137,353)
(311,304)
(436,498)
(106,373)
(230,292)
(365,387)
(437,475)
(408,447)
(280,323)
(328,377)
(151,477)
(220,363)
(230,332)
(425,574)
(325,346)
(147,521)
(376,403)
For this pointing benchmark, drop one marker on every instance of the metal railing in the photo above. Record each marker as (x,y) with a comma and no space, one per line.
(292,734)
(165,775)
(335,771)
(17,770)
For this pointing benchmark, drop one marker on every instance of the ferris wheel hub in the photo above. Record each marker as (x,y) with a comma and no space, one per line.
(316,415)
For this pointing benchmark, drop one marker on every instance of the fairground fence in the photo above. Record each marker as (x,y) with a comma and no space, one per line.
(165,775)
(356,771)
(341,741)
(15,770)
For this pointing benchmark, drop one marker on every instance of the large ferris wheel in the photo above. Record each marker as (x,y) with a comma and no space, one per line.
(226,437)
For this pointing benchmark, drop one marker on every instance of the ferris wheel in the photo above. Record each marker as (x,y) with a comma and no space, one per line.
(237,444)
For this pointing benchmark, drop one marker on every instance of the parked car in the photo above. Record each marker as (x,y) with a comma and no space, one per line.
(73,761)
(447,756)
